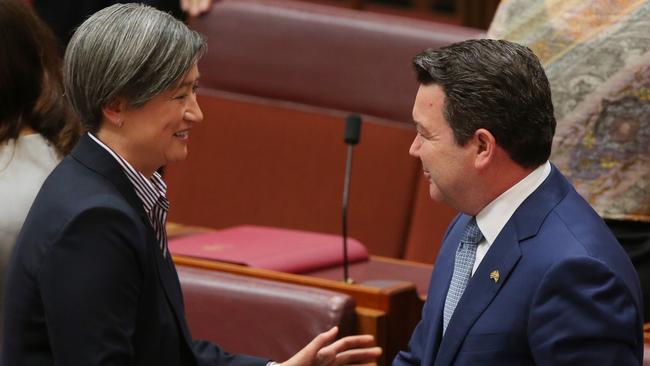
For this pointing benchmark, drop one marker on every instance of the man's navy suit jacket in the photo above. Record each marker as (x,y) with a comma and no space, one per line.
(88,284)
(566,293)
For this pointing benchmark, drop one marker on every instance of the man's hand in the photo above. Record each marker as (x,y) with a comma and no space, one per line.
(195,7)
(352,350)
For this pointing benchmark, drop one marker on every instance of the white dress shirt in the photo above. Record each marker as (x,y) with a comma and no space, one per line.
(493,217)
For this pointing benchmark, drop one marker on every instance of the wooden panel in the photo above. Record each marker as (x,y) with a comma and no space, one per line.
(266,163)
(372,297)
(371,321)
(429,222)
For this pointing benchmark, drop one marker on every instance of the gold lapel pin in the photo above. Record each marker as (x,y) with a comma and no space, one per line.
(494,276)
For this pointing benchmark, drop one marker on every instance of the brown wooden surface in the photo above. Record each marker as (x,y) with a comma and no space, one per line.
(382,271)
(380,298)
(371,321)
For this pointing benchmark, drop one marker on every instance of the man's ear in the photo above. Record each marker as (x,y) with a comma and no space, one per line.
(114,111)
(486,146)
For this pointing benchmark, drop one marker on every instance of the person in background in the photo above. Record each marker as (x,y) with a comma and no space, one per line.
(92,281)
(37,125)
(528,273)
(64,16)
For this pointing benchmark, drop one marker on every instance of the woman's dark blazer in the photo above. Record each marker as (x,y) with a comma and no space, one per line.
(88,284)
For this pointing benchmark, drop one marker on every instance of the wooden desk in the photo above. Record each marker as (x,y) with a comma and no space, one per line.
(388,292)
(382,269)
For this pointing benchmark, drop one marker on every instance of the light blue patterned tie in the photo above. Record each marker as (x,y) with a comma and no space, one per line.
(465,256)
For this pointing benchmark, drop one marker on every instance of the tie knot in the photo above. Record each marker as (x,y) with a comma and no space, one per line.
(472,234)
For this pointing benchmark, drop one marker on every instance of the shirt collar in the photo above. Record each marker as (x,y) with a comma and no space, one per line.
(493,217)
(149,190)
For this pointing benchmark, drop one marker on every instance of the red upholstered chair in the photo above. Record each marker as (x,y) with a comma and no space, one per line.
(260,317)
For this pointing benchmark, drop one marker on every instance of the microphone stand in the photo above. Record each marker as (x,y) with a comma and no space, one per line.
(346,189)
(351,137)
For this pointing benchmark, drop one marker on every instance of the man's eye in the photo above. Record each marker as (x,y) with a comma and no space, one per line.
(182,96)
(424,135)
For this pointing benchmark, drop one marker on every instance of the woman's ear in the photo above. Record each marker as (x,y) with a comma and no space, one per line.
(113,112)
(486,146)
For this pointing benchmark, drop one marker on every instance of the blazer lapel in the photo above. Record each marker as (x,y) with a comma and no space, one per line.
(440,279)
(481,289)
(172,288)
(96,158)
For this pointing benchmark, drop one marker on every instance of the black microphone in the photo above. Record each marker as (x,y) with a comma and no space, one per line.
(351,137)
(352,129)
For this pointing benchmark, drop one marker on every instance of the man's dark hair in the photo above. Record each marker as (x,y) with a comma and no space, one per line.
(497,85)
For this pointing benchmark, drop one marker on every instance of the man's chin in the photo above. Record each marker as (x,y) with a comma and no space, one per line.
(435,194)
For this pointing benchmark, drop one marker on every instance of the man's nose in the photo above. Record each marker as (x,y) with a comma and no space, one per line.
(413,150)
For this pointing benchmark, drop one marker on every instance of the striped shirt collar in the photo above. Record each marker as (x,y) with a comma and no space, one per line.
(149,191)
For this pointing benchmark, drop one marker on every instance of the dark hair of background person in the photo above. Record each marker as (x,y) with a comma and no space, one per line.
(497,85)
(64,16)
(31,88)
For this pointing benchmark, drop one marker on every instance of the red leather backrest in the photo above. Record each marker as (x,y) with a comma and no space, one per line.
(319,55)
(260,317)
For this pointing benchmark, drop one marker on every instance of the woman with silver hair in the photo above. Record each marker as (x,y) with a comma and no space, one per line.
(91,281)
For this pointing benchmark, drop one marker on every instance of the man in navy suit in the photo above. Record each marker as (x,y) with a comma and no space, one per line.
(528,273)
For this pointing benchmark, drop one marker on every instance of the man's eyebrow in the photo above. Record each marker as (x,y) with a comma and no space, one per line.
(419,127)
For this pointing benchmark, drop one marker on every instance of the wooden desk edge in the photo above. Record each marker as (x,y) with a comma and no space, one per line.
(402,262)
(365,296)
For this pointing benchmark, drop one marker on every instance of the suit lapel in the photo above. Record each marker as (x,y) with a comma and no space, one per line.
(97,159)
(481,289)
(440,279)
(503,256)
(171,286)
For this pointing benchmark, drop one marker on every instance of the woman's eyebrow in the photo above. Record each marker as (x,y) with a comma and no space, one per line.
(187,83)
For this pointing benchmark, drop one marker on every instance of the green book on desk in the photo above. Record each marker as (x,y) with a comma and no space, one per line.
(284,250)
